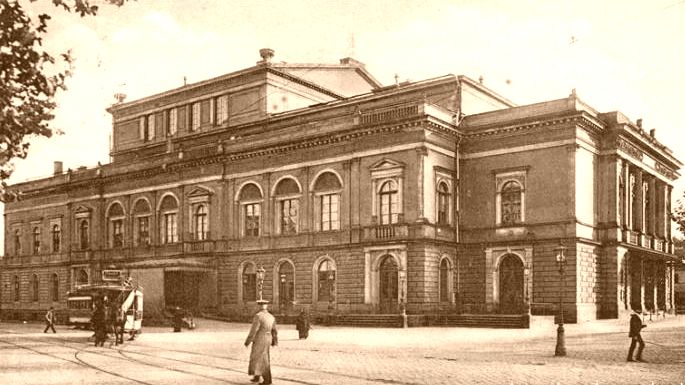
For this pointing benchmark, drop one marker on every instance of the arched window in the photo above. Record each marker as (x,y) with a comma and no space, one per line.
(36,240)
(286,285)
(15,288)
(84,231)
(443,204)
(249,283)
(389,203)
(200,222)
(141,222)
(54,288)
(250,199)
(34,288)
(17,242)
(444,280)
(327,189)
(511,203)
(56,238)
(326,278)
(287,194)
(116,217)
(168,211)
(81,277)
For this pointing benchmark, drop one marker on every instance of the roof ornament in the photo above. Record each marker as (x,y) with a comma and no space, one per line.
(267,54)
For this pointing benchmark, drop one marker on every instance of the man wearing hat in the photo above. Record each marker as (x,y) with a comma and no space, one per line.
(263,334)
(634,334)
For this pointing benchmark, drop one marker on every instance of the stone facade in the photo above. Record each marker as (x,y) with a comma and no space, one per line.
(433,196)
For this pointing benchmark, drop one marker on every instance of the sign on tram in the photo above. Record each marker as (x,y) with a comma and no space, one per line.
(111,275)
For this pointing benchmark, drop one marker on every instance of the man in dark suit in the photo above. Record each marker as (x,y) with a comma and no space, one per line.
(634,333)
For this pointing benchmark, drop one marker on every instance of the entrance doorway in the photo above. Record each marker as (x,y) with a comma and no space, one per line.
(511,285)
(182,289)
(286,286)
(388,285)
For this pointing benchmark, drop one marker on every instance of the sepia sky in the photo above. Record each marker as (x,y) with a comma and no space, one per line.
(618,55)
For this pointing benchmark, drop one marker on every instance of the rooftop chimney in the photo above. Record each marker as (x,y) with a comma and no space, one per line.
(480,79)
(652,132)
(58,167)
(267,54)
(639,122)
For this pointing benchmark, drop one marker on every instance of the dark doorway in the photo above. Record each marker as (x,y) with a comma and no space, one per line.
(388,285)
(286,286)
(182,289)
(635,272)
(511,285)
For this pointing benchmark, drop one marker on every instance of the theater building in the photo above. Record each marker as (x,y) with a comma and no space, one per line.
(437,196)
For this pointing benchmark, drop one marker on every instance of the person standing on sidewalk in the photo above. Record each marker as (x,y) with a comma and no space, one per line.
(636,326)
(302,325)
(263,334)
(50,320)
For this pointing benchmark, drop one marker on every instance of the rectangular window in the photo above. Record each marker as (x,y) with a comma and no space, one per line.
(289,213)
(170,228)
(389,208)
(172,126)
(56,238)
(182,118)
(150,129)
(159,124)
(195,117)
(221,109)
(252,212)
(205,112)
(142,128)
(143,231)
(118,233)
(329,212)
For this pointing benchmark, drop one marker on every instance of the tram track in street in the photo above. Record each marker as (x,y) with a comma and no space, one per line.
(125,354)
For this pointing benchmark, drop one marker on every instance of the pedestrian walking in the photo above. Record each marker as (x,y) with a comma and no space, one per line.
(100,321)
(263,334)
(302,325)
(636,326)
(50,320)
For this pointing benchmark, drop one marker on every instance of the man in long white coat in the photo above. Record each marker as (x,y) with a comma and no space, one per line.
(263,335)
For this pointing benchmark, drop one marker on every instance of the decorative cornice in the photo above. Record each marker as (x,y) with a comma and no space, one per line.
(625,146)
(665,171)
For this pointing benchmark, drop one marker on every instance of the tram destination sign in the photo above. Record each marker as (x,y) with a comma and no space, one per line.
(111,275)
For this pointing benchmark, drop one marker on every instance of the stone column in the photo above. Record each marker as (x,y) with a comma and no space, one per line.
(651,209)
(626,196)
(639,205)
(642,283)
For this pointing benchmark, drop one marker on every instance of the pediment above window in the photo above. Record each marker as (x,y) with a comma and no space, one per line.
(385,168)
(82,211)
(199,194)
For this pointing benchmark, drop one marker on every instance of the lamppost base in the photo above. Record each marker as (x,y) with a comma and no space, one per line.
(560,350)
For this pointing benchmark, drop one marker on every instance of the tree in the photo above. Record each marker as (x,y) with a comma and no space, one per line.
(678,215)
(30,77)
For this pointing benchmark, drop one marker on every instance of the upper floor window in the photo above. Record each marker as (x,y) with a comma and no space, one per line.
(201,223)
(327,189)
(388,198)
(115,216)
(511,203)
(221,109)
(81,277)
(250,199)
(287,194)
(84,231)
(444,200)
(169,216)
(510,198)
(196,115)
(56,238)
(172,126)
(36,240)
(182,118)
(387,178)
(147,128)
(141,222)
(17,242)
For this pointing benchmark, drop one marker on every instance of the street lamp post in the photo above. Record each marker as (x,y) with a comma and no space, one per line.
(260,282)
(561,342)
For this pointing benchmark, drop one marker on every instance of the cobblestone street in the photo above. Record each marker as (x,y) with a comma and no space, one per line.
(214,354)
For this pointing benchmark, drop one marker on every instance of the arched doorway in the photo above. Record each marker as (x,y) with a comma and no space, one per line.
(511,284)
(286,286)
(388,272)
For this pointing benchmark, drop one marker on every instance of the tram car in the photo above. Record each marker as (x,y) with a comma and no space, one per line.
(81,302)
